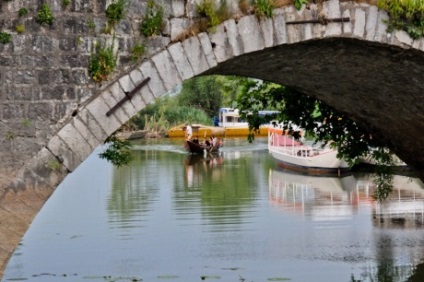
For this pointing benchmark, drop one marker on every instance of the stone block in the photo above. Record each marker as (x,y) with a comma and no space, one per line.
(84,6)
(74,60)
(14,111)
(120,114)
(167,70)
(48,167)
(220,44)
(280,29)
(116,89)
(347,26)
(61,150)
(155,84)
(94,127)
(180,59)
(98,109)
(249,30)
(233,36)
(75,141)
(371,23)
(401,38)
(360,20)
(207,47)
(86,133)
(267,31)
(381,34)
(197,58)
(178,9)
(137,100)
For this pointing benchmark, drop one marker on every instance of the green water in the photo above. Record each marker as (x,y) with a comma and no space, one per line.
(232,217)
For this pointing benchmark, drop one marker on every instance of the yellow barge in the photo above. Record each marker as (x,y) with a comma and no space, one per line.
(202,131)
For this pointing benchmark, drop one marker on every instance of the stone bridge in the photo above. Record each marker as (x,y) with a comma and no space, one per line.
(53,115)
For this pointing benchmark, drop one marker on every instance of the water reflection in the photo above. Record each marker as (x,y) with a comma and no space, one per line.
(224,217)
(398,255)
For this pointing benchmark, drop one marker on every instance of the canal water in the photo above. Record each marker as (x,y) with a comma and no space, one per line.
(232,217)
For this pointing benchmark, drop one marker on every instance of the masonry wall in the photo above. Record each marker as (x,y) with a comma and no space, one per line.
(43,70)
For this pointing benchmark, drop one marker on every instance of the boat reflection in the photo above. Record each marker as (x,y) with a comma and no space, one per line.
(334,198)
(198,166)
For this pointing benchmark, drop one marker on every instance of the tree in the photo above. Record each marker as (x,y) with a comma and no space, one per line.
(317,118)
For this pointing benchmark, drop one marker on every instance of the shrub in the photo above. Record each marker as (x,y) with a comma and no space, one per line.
(45,15)
(5,37)
(207,9)
(215,15)
(116,12)
(299,3)
(102,63)
(264,8)
(137,52)
(20,28)
(22,12)
(65,2)
(118,151)
(152,23)
(405,15)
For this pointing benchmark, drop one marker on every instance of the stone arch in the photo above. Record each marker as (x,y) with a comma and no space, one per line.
(234,42)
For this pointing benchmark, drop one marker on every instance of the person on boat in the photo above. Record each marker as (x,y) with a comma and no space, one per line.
(208,142)
(189,131)
(196,140)
(214,141)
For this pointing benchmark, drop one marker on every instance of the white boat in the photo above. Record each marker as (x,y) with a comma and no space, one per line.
(294,155)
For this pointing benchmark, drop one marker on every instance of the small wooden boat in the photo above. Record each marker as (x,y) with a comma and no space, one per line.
(200,148)
(296,156)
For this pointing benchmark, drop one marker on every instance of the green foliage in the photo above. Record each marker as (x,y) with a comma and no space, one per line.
(91,25)
(308,113)
(5,37)
(22,12)
(215,15)
(65,3)
(152,23)
(54,165)
(10,135)
(165,113)
(115,12)
(102,63)
(208,94)
(137,52)
(26,122)
(299,3)
(45,15)
(20,28)
(264,8)
(118,151)
(407,15)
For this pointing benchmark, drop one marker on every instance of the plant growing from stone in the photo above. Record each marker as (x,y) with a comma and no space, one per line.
(407,15)
(206,8)
(54,165)
(299,3)
(115,12)
(5,37)
(45,15)
(137,52)
(22,12)
(102,62)
(65,3)
(215,15)
(20,28)
(264,8)
(152,23)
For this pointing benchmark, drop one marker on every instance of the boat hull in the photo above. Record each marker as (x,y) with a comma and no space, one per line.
(295,156)
(195,148)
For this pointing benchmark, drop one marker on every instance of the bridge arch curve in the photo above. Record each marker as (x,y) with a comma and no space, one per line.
(354,65)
